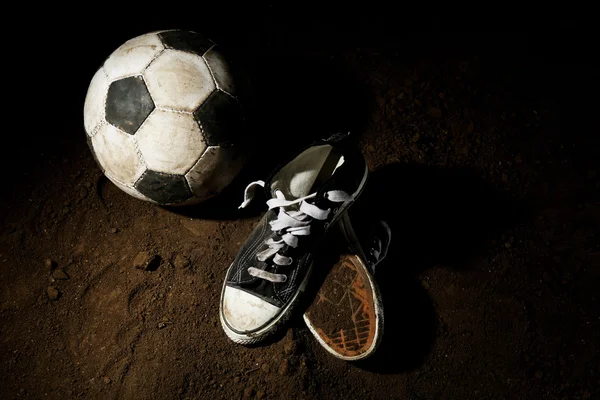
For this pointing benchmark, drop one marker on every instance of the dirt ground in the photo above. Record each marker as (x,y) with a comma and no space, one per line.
(484,154)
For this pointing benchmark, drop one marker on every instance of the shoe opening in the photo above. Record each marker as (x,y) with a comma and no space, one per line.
(307,172)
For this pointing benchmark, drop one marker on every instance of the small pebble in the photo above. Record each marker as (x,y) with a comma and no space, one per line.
(106,380)
(53,293)
(425,284)
(114,230)
(236,379)
(181,261)
(141,259)
(60,274)
(261,394)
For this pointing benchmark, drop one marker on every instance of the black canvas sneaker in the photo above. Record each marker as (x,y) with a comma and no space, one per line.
(307,196)
(346,315)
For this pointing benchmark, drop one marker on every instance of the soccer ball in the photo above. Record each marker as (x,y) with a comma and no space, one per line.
(164,119)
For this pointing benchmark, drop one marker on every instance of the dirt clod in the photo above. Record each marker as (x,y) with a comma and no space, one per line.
(181,261)
(141,260)
(284,367)
(53,293)
(60,274)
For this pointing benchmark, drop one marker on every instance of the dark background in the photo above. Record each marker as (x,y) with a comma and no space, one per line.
(548,53)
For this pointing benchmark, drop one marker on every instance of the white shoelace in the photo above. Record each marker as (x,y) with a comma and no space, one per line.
(292,223)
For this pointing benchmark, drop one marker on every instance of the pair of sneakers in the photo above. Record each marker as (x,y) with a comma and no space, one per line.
(308,196)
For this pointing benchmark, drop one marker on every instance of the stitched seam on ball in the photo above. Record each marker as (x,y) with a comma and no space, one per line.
(132,187)
(151,97)
(229,94)
(106,74)
(174,110)
(201,131)
(104,97)
(119,181)
(196,163)
(210,71)
(97,128)
(209,49)
(155,57)
(164,173)
(139,153)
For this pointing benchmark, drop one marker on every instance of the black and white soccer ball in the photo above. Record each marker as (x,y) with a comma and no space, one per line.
(164,119)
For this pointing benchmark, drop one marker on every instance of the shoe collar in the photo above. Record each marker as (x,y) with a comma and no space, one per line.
(338,141)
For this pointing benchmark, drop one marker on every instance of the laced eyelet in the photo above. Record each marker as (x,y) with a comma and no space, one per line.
(326,225)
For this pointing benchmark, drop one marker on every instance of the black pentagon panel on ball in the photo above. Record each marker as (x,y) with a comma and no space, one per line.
(186,41)
(128,104)
(163,188)
(221,119)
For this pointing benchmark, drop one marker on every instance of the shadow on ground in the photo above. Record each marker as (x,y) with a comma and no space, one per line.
(437,217)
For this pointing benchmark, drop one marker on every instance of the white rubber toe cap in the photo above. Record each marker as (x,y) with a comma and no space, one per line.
(245,312)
